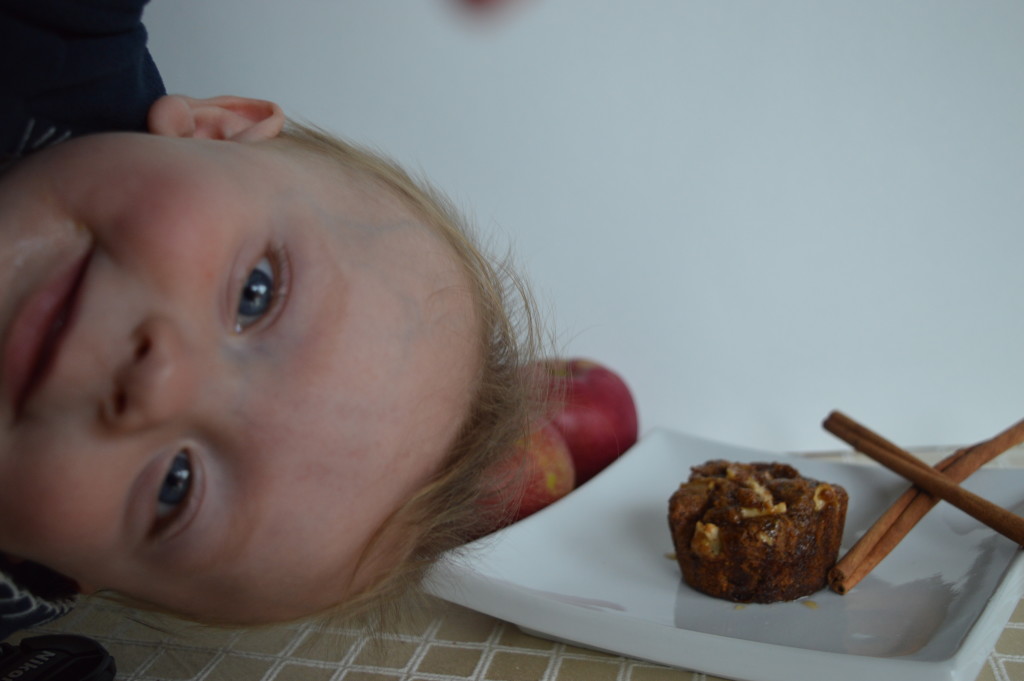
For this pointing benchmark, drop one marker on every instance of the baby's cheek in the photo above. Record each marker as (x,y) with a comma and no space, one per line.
(50,512)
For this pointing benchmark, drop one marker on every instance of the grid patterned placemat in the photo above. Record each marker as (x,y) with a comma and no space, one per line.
(441,642)
(438,641)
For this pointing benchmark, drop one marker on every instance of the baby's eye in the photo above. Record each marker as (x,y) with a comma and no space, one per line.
(257,295)
(176,486)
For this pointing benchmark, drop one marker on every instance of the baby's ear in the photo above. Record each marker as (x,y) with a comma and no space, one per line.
(220,118)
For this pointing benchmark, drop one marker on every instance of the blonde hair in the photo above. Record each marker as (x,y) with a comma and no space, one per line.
(448,511)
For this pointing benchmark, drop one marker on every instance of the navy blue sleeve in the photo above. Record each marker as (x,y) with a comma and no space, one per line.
(72,67)
(30,595)
(22,609)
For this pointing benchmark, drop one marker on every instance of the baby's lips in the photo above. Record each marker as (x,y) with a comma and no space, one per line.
(37,330)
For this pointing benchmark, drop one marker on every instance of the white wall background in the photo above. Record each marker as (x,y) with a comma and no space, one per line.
(756,211)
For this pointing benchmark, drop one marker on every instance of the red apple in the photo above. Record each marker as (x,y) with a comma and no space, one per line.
(549,473)
(539,472)
(595,413)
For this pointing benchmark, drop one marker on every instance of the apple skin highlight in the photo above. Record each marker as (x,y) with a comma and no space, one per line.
(595,412)
(550,473)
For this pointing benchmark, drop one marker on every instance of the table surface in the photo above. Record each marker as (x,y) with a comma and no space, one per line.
(438,641)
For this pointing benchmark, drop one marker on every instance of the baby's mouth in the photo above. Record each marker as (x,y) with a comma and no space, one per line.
(39,330)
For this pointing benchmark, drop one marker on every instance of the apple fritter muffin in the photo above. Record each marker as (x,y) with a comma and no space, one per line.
(756,533)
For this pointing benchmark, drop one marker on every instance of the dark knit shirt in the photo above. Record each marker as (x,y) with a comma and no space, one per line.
(69,68)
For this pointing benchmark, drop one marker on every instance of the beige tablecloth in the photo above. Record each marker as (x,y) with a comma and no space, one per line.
(439,642)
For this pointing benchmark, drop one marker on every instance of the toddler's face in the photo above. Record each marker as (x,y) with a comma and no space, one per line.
(223,365)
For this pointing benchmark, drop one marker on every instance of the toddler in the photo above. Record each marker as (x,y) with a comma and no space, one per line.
(248,372)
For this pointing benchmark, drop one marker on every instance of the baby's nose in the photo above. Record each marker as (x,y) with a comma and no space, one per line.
(157,379)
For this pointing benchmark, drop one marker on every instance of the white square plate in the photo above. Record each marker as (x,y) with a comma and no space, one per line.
(593,570)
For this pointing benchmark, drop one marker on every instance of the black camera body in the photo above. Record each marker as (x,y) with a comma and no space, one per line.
(60,657)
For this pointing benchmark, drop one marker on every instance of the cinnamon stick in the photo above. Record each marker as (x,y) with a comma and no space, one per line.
(914,504)
(883,536)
